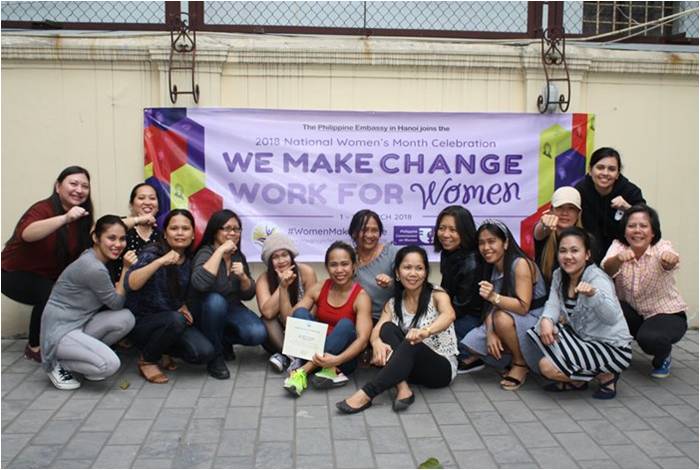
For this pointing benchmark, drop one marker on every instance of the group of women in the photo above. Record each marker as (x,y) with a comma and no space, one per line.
(602,275)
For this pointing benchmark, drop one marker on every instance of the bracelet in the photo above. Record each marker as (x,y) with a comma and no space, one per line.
(496,300)
(427,328)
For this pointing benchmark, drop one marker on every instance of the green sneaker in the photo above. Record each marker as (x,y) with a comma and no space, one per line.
(328,378)
(296,383)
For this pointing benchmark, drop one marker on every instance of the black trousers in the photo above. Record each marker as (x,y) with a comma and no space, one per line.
(167,332)
(414,363)
(28,288)
(657,334)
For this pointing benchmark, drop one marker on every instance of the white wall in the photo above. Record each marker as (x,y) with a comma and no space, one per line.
(79,100)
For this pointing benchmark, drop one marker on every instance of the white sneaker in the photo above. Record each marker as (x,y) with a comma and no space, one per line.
(279,362)
(62,379)
(295,364)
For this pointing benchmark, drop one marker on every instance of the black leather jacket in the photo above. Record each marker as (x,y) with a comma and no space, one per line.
(461,272)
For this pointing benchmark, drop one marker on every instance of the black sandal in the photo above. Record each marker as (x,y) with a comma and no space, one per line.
(513,383)
(565,387)
(605,392)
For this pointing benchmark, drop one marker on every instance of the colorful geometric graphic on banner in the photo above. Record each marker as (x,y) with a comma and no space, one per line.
(174,165)
(306,172)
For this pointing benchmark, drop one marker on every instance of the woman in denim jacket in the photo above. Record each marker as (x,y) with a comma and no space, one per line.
(582,331)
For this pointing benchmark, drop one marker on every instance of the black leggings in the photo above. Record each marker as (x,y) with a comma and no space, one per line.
(414,363)
(31,289)
(657,334)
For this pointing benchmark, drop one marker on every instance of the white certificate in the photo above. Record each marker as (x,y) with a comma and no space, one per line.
(304,338)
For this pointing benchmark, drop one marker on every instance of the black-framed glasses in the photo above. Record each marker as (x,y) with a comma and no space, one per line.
(230,229)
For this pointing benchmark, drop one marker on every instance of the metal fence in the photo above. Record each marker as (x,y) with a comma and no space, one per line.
(480,19)
(89,15)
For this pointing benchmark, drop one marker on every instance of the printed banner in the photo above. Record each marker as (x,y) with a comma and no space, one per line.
(306,173)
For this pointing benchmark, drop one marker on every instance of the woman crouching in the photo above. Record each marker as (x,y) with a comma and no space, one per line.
(414,339)
(75,335)
(582,331)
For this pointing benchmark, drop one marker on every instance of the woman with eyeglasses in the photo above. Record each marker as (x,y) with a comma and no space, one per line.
(221,280)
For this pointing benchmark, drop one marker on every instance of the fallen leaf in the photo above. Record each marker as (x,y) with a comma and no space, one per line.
(432,462)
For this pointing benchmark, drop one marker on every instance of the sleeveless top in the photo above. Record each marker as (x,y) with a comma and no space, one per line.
(330,314)
(539,288)
(443,343)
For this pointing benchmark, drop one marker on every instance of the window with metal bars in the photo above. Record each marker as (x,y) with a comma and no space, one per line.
(595,18)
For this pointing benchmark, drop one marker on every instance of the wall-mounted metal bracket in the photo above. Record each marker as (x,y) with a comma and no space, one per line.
(183,50)
(553,61)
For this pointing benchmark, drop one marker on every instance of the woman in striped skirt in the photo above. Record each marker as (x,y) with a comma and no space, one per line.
(582,331)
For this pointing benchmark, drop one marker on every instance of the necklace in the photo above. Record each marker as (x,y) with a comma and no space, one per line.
(366,260)
(140,231)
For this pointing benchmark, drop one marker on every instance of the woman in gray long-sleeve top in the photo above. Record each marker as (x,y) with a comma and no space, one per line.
(221,280)
(75,334)
(582,331)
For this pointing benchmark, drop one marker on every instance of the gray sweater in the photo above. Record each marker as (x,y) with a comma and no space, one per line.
(223,283)
(81,290)
(598,317)
(366,276)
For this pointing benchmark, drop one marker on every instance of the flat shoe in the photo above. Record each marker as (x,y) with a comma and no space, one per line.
(403,403)
(557,387)
(343,407)
(31,354)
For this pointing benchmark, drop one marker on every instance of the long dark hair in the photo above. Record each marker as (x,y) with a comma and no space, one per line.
(654,221)
(162,247)
(273,279)
(512,252)
(359,222)
(583,236)
(465,227)
(104,222)
(216,221)
(63,254)
(426,291)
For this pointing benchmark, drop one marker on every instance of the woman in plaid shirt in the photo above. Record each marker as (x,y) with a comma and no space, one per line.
(643,266)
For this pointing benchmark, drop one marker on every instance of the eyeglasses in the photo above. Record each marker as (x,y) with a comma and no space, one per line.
(230,229)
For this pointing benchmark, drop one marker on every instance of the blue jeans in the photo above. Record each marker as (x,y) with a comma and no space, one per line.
(464,325)
(227,323)
(338,340)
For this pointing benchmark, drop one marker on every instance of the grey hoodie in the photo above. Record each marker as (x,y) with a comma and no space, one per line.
(598,317)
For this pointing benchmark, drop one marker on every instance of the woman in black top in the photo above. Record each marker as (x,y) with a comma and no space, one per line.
(605,196)
(455,240)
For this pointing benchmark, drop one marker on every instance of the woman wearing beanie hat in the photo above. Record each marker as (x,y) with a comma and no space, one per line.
(279,255)
(565,213)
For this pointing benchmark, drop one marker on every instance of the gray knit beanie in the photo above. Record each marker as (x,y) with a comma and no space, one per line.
(277,241)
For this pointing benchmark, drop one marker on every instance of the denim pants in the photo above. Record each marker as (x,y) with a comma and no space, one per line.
(226,323)
(167,332)
(464,325)
(338,340)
